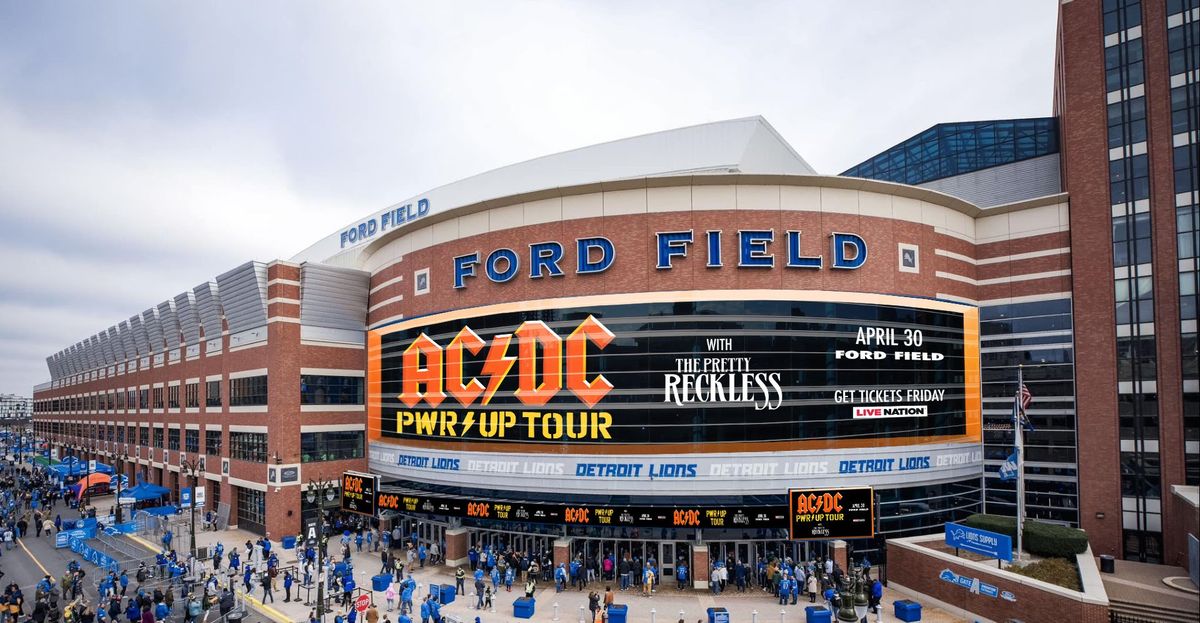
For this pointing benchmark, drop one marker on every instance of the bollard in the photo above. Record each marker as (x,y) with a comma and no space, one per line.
(681,614)
(754,617)
(581,614)
(781,613)
(556,611)
(652,615)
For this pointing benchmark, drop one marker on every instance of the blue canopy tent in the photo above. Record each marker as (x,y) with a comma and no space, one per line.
(142,492)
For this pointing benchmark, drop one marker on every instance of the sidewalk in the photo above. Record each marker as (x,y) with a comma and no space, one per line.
(667,605)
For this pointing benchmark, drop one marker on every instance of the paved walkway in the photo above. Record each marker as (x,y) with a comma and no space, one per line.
(667,605)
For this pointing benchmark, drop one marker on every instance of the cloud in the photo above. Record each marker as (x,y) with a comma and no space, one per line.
(146,147)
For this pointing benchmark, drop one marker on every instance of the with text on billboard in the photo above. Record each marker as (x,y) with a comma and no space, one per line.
(847,513)
(358,492)
(712,371)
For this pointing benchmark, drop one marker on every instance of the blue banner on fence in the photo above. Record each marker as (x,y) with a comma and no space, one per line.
(990,544)
(79,545)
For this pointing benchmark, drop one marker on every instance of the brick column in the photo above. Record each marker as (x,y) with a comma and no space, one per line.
(839,554)
(457,543)
(699,565)
(562,551)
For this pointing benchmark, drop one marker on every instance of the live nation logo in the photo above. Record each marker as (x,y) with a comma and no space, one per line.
(874,413)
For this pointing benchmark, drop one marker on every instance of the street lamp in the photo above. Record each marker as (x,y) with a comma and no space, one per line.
(318,489)
(119,460)
(193,466)
(87,468)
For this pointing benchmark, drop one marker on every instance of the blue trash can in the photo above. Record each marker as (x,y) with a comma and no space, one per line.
(435,593)
(523,608)
(449,592)
(617,613)
(817,614)
(907,610)
(381,582)
(718,615)
(289,542)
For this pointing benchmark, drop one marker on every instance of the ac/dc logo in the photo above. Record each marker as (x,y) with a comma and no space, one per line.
(431,372)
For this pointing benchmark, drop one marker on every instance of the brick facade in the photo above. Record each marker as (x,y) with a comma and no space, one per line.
(920,573)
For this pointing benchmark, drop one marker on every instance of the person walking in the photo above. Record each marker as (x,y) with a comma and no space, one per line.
(390,596)
(268,588)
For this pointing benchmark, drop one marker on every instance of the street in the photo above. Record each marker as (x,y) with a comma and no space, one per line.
(32,558)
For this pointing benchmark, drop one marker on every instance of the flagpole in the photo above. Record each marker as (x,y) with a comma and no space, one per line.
(1018,442)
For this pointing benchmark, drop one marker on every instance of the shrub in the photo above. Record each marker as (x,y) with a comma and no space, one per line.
(1059,571)
(1040,539)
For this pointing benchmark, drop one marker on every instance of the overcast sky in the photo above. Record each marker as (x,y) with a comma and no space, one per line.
(146,147)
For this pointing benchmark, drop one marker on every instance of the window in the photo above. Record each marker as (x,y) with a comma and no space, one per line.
(1131,239)
(144,436)
(212,442)
(173,439)
(191,395)
(173,396)
(331,390)
(212,394)
(331,446)
(248,391)
(158,438)
(191,441)
(158,397)
(120,434)
(143,399)
(251,509)
(1135,358)
(1135,300)
(248,446)
(120,401)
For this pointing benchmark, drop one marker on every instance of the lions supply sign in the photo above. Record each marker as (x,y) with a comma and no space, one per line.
(358,492)
(706,371)
(831,513)
(983,542)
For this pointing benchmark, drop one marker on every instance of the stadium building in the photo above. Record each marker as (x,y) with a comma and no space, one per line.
(642,346)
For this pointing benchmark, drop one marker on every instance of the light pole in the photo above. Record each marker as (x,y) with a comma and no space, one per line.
(317,491)
(87,469)
(192,466)
(119,459)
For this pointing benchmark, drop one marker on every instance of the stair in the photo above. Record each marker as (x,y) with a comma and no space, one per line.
(1141,612)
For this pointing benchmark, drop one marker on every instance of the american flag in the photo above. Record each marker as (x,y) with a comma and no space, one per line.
(1024,397)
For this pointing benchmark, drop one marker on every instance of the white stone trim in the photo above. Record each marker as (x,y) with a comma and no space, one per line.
(241,374)
(246,428)
(249,409)
(333,408)
(394,299)
(248,484)
(333,372)
(387,283)
(325,428)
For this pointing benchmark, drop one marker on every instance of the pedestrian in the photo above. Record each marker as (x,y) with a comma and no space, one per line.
(812,588)
(390,596)
(288,579)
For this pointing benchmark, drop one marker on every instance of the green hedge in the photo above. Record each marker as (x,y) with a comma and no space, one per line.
(1041,539)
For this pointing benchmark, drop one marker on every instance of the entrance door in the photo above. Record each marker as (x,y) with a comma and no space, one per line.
(666,560)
